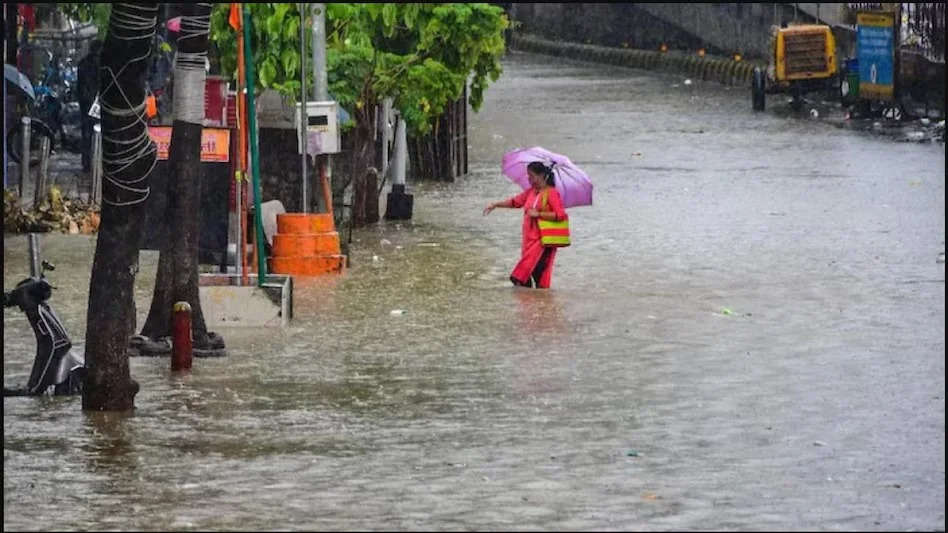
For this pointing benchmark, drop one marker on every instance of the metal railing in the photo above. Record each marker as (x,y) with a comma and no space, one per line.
(922,25)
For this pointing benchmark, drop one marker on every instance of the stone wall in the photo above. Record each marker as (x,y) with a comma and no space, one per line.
(720,28)
(609,24)
(280,174)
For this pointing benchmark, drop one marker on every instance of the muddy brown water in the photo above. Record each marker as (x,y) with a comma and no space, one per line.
(748,333)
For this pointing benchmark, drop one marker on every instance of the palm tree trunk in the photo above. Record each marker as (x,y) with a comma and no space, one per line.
(128,157)
(178,277)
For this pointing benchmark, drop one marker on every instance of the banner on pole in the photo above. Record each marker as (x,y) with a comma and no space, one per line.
(875,41)
(215,143)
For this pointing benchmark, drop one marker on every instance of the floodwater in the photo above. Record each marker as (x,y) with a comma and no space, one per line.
(748,333)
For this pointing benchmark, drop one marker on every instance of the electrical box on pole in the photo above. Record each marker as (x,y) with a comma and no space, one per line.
(322,128)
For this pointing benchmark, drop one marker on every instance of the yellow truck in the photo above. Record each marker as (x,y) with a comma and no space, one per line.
(803,60)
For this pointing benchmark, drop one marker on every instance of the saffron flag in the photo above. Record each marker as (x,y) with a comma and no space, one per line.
(234,18)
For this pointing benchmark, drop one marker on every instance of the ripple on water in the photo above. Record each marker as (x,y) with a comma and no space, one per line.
(481,406)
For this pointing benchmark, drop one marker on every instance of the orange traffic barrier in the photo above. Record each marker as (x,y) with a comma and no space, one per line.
(306,245)
(289,244)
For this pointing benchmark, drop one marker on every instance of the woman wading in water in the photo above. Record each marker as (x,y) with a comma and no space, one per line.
(541,200)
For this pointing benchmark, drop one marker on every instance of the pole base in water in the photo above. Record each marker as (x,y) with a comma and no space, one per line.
(181,348)
(400,204)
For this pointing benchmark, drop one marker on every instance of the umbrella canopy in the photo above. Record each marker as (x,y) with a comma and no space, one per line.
(14,76)
(571,182)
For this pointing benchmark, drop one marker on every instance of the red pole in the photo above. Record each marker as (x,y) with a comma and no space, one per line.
(181,337)
(327,192)
(237,17)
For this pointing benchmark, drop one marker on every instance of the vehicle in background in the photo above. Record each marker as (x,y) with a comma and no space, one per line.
(803,60)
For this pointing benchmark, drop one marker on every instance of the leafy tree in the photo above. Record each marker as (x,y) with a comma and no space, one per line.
(178,277)
(95,12)
(419,54)
(277,64)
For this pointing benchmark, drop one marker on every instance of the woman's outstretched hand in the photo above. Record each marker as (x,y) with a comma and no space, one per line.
(488,209)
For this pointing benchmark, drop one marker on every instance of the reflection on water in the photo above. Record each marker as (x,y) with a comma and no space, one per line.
(477,405)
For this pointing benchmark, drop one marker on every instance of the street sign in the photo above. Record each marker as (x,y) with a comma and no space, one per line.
(215,143)
(875,42)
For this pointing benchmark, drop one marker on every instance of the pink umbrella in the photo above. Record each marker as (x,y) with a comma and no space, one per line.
(570,181)
(174,24)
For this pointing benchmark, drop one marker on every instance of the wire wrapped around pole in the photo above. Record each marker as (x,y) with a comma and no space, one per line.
(124,129)
(189,69)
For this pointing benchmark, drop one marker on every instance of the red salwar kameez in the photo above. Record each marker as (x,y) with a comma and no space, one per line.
(536,261)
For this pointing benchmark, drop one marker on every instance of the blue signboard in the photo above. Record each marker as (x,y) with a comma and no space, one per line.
(875,41)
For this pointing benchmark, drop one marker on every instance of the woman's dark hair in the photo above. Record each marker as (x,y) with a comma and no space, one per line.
(539,168)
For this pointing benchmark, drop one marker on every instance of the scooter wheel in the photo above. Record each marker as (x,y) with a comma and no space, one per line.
(15,144)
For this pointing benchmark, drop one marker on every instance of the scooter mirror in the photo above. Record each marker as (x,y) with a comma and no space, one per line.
(48,266)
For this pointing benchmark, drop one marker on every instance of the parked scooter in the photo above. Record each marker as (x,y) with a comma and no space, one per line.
(58,370)
(54,114)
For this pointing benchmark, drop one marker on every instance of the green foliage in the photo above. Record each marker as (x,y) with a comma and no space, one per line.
(95,12)
(419,54)
(275,43)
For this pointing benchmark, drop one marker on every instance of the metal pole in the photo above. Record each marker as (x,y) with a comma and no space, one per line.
(401,154)
(304,114)
(240,254)
(254,150)
(242,214)
(41,176)
(33,242)
(321,90)
(5,170)
(182,348)
(321,85)
(96,195)
(325,174)
(24,152)
(386,126)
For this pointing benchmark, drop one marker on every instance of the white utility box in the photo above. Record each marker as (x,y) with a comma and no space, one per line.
(322,128)
(323,134)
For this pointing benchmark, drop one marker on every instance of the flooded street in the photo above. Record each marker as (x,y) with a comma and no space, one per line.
(748,333)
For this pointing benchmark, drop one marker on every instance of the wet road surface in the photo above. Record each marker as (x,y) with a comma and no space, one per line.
(748,333)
